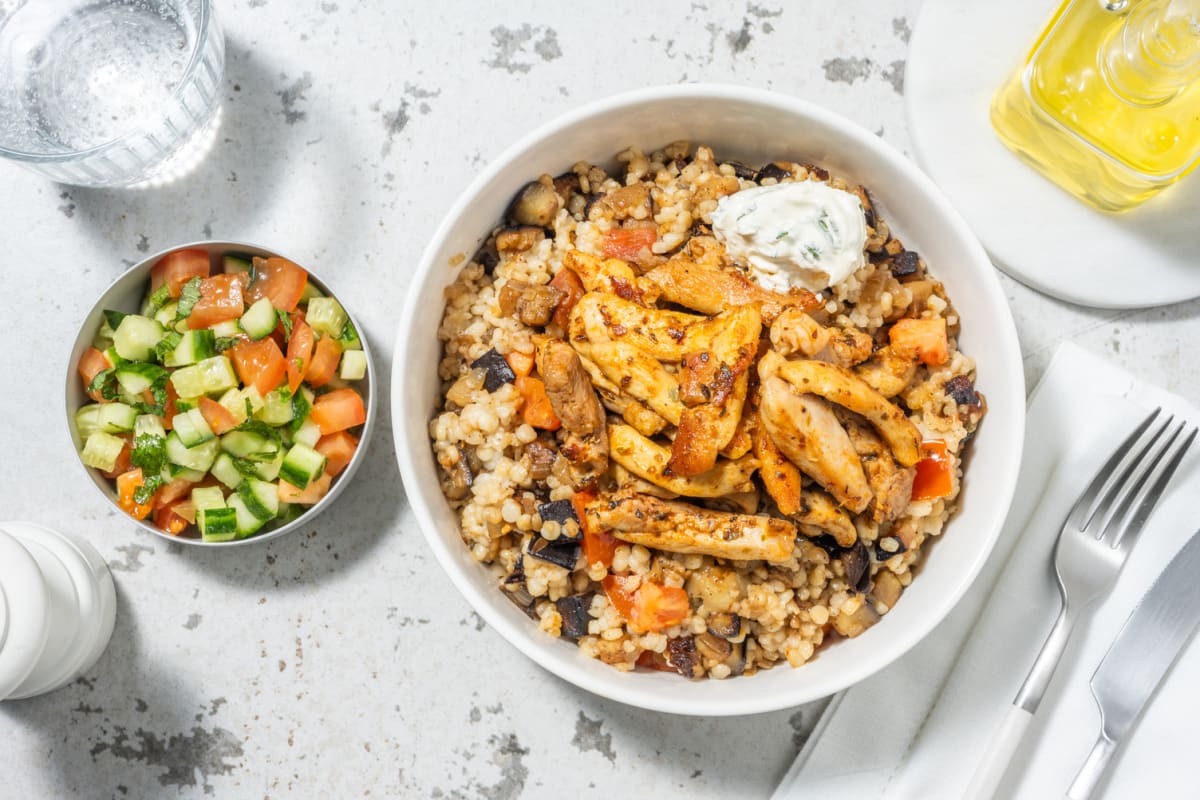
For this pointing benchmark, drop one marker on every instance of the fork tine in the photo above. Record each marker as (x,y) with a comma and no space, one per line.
(1085,507)
(1121,498)
(1150,497)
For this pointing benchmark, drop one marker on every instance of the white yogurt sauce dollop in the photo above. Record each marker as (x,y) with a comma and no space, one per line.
(805,234)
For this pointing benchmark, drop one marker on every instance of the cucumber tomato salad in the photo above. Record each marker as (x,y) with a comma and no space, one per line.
(228,405)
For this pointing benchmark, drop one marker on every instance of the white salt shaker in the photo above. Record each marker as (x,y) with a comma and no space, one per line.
(57,609)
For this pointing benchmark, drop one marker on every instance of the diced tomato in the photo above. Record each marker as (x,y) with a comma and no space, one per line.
(567,282)
(175,490)
(324,362)
(307,496)
(338,448)
(923,339)
(598,545)
(127,484)
(185,509)
(259,363)
(338,410)
(649,607)
(280,334)
(278,279)
(218,417)
(536,409)
(169,410)
(122,463)
(935,472)
(176,269)
(521,363)
(167,519)
(627,243)
(220,300)
(91,364)
(299,354)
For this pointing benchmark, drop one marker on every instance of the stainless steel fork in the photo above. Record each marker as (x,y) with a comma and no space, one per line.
(1093,545)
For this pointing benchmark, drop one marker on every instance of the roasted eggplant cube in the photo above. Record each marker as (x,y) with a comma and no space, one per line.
(560,511)
(498,370)
(574,613)
(906,264)
(563,554)
(858,566)
(773,170)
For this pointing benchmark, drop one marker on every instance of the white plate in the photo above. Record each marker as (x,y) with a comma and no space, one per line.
(959,55)
(24,597)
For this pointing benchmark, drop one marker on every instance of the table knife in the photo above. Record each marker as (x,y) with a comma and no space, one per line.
(1152,638)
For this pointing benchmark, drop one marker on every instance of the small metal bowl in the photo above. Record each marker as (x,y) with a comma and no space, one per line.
(125,294)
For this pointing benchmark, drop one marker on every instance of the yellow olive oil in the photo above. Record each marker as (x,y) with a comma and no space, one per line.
(1107,104)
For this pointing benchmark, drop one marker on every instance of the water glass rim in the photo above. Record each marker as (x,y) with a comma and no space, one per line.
(203,25)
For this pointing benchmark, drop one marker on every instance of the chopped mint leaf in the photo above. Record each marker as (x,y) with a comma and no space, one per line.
(782,235)
(285,320)
(188,298)
(167,345)
(113,318)
(161,296)
(813,251)
(223,343)
(149,452)
(104,384)
(145,493)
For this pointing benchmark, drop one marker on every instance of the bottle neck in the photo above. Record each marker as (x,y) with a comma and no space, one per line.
(1155,52)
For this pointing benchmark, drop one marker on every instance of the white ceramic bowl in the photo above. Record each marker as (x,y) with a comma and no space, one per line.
(754,127)
(125,294)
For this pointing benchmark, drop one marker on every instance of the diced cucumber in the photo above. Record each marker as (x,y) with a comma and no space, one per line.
(301,465)
(326,315)
(209,376)
(165,316)
(136,336)
(236,401)
(246,444)
(189,475)
(301,406)
(102,451)
(310,291)
(199,458)
(247,523)
(185,403)
(269,470)
(237,264)
(349,339)
(278,407)
(353,366)
(87,420)
(208,497)
(117,418)
(148,425)
(227,329)
(217,524)
(192,428)
(137,377)
(194,346)
(159,298)
(261,498)
(223,469)
(290,511)
(260,319)
(308,434)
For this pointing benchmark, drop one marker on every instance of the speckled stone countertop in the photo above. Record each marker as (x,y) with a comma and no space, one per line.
(340,661)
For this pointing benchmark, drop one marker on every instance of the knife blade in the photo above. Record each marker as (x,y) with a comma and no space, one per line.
(1138,659)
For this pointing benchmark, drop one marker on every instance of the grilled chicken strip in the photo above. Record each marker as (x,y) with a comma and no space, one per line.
(648,461)
(887,372)
(818,511)
(684,528)
(585,440)
(793,331)
(712,291)
(841,386)
(611,275)
(891,484)
(805,430)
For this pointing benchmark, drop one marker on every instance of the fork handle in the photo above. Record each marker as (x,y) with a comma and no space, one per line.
(1005,741)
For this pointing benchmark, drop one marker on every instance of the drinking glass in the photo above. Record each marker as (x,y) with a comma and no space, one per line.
(109,92)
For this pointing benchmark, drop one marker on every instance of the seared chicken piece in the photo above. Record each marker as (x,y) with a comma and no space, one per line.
(805,430)
(706,429)
(841,386)
(648,461)
(684,528)
(891,485)
(612,276)
(638,375)
(660,333)
(712,291)
(887,372)
(584,438)
(780,476)
(817,510)
(847,347)
(794,331)
(646,421)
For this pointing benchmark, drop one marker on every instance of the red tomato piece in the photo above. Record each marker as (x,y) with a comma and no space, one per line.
(220,300)
(299,354)
(338,448)
(169,411)
(598,545)
(175,490)
(650,606)
(536,409)
(324,362)
(935,472)
(168,520)
(218,417)
(278,279)
(122,462)
(521,363)
(176,269)
(127,484)
(627,243)
(567,282)
(338,410)
(259,364)
(307,496)
(91,364)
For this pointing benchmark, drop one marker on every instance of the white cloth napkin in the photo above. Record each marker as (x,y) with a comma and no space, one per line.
(918,728)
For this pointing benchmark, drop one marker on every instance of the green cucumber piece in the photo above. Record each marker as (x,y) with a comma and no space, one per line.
(247,523)
(301,465)
(190,475)
(309,433)
(136,377)
(192,428)
(224,470)
(148,425)
(260,319)
(238,264)
(277,409)
(117,418)
(326,315)
(194,346)
(87,420)
(310,291)
(349,338)
(102,451)
(210,376)
(199,458)
(217,524)
(135,337)
(353,366)
(248,444)
(260,497)
(269,470)
(226,330)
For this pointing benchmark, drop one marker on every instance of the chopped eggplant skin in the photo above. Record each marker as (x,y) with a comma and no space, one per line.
(535,204)
(498,370)
(561,552)
(574,613)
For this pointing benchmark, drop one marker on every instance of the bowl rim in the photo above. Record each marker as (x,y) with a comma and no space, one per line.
(623,688)
(338,485)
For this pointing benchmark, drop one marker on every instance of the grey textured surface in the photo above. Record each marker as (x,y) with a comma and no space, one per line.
(340,661)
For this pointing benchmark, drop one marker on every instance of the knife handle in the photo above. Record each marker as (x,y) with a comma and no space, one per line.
(999,754)
(1092,771)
